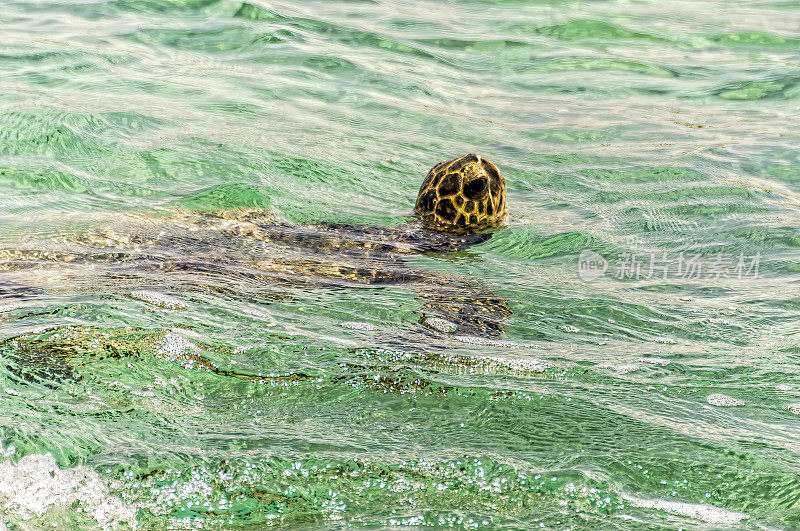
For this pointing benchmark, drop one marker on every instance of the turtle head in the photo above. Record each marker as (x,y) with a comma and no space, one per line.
(466,194)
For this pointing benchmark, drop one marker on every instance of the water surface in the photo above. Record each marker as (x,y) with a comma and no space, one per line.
(658,389)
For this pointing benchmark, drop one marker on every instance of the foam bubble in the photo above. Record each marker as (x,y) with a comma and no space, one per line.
(241,349)
(569,329)
(476,340)
(357,325)
(699,511)
(173,345)
(522,364)
(793,408)
(36,483)
(720,400)
(619,369)
(158,299)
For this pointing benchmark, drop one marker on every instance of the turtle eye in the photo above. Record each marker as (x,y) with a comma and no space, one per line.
(477,188)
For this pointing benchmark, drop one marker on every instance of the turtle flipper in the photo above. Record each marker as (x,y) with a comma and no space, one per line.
(463,307)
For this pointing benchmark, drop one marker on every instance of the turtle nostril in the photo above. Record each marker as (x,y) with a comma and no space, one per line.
(476,189)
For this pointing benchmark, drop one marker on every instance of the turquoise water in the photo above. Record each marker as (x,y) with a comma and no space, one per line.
(167,364)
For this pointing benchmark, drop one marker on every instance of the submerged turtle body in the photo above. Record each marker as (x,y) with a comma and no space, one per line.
(240,255)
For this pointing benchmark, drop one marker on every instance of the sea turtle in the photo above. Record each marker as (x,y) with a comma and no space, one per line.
(464,194)
(241,254)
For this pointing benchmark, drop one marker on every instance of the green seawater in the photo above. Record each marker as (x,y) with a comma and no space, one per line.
(648,378)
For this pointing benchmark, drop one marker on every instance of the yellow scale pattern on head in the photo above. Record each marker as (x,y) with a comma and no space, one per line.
(464,193)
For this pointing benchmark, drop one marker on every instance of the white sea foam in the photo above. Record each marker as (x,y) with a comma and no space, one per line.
(357,325)
(36,483)
(158,299)
(475,340)
(173,345)
(242,349)
(720,400)
(699,511)
(522,364)
(619,369)
(718,320)
(793,408)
